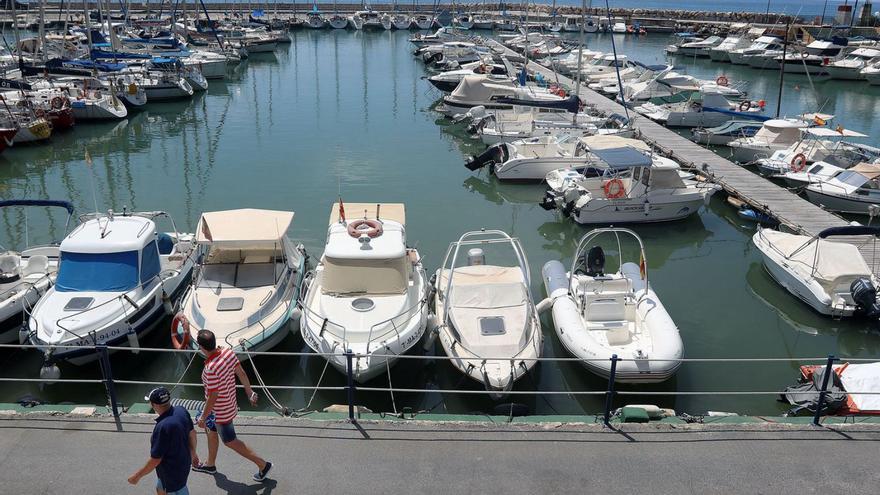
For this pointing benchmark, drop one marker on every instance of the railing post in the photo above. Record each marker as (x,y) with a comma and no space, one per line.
(107,373)
(609,396)
(829,368)
(349,372)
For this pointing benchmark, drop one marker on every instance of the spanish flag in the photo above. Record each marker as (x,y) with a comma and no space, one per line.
(643,266)
(341,210)
(839,129)
(818,120)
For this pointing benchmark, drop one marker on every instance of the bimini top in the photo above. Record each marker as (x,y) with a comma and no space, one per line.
(110,235)
(600,142)
(826,132)
(625,157)
(247,228)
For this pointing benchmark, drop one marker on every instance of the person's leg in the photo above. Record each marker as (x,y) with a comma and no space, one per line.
(213,447)
(227,434)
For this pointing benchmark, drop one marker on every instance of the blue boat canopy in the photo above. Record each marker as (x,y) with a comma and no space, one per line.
(97,272)
(67,205)
(572,104)
(622,158)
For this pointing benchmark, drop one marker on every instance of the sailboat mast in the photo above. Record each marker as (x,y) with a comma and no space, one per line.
(42,30)
(577,81)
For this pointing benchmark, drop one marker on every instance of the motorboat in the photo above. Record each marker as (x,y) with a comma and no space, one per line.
(871,73)
(831,277)
(626,185)
(618,28)
(117,277)
(246,283)
(368,294)
(851,66)
(482,22)
(775,134)
(815,172)
(812,59)
(158,85)
(759,46)
(449,80)
(679,39)
(726,132)
(423,22)
(705,108)
(441,35)
(486,320)
(698,48)
(604,64)
(599,315)
(532,159)
(523,123)
(26,275)
(661,85)
(767,59)
(451,55)
(819,144)
(855,190)
(721,51)
(465,21)
(211,64)
(482,90)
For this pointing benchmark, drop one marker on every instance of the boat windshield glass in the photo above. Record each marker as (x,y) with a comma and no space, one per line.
(854,179)
(97,272)
(365,276)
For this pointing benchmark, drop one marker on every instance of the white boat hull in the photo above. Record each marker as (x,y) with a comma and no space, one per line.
(637,210)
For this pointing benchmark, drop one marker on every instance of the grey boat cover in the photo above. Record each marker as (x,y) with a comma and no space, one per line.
(805,396)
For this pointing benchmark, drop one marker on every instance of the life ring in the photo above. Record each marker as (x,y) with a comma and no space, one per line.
(57,103)
(178,340)
(39,113)
(614,189)
(722,81)
(799,162)
(745,106)
(370,228)
(560,92)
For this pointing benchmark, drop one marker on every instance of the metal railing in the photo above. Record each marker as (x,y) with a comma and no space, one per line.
(110,382)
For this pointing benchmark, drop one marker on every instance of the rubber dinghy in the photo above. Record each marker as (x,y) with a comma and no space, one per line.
(598,315)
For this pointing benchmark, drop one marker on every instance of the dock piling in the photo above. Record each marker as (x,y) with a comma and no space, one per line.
(829,368)
(349,389)
(609,396)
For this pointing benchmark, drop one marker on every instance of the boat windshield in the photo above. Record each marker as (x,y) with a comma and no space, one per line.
(97,272)
(365,276)
(854,179)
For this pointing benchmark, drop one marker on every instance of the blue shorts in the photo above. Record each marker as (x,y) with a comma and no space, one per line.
(226,431)
(182,491)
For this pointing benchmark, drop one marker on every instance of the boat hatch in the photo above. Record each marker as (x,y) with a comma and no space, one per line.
(79,303)
(363,304)
(492,325)
(230,304)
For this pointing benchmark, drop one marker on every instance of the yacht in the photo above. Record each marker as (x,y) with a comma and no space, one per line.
(852,65)
(486,318)
(759,46)
(117,277)
(855,190)
(481,90)
(26,275)
(449,80)
(401,21)
(698,48)
(465,21)
(368,293)
(338,21)
(775,134)
(247,281)
(524,123)
(423,22)
(315,20)
(482,22)
(812,59)
(599,314)
(831,277)
(721,51)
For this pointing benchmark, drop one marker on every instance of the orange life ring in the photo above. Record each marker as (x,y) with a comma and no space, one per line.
(560,92)
(745,106)
(618,191)
(799,162)
(371,228)
(178,340)
(722,81)
(57,103)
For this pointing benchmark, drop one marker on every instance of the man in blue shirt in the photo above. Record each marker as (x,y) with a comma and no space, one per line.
(172,446)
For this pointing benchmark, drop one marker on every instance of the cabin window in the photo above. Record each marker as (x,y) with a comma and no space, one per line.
(646,176)
(150,266)
(816,169)
(97,272)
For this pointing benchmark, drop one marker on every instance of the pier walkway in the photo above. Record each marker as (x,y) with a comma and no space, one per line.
(45,454)
(793,212)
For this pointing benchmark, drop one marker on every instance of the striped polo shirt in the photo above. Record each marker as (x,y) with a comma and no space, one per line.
(219,376)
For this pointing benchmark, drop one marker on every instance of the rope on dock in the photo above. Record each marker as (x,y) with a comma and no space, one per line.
(279,408)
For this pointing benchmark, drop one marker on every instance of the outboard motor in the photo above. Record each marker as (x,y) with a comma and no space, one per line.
(548,202)
(595,262)
(864,294)
(495,154)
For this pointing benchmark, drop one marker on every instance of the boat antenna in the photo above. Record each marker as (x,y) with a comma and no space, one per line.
(782,65)
(616,65)
(88,159)
(583,40)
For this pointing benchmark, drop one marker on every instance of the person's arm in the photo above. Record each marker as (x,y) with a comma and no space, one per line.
(147,469)
(243,378)
(193,442)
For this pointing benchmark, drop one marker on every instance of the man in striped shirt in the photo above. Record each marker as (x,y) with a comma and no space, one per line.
(218,377)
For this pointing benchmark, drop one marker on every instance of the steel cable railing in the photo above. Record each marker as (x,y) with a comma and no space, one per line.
(350,388)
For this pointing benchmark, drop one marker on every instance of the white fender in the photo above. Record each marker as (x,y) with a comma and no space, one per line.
(133,340)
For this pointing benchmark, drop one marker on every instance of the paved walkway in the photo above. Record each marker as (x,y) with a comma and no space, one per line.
(64,455)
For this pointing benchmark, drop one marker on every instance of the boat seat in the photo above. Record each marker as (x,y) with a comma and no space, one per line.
(9,265)
(38,264)
(619,336)
(606,307)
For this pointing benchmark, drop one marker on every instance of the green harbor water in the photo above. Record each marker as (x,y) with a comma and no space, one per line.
(341,112)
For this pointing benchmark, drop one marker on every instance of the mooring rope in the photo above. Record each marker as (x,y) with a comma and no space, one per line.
(280,409)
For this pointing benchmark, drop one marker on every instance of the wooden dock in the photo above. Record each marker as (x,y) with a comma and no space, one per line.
(794,213)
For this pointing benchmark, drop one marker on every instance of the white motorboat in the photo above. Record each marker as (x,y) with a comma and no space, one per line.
(482,22)
(726,132)
(721,51)
(315,20)
(698,48)
(212,65)
(451,55)
(776,134)
(831,277)
(625,185)
(816,172)
(855,190)
(850,66)
(767,59)
(705,108)
(247,281)
(532,159)
(158,85)
(449,80)
(25,275)
(599,315)
(618,28)
(117,277)
(481,90)
(368,293)
(759,46)
(871,73)
(812,59)
(486,317)
(523,123)
(818,144)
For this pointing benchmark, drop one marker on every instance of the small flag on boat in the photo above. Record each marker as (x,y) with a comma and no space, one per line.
(341,210)
(643,268)
(88,158)
(839,129)
(818,120)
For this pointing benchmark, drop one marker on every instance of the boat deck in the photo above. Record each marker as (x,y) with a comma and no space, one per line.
(793,212)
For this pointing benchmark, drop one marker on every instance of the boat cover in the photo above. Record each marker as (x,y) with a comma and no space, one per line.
(862,378)
(384,211)
(247,228)
(869,170)
(835,260)
(478,88)
(572,104)
(626,157)
(601,142)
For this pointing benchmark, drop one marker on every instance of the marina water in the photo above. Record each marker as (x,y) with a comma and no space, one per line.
(347,113)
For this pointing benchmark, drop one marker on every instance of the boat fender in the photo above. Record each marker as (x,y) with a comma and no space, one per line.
(133,340)
(799,162)
(50,373)
(180,335)
(745,106)
(295,314)
(23,333)
(654,412)
(166,304)
(544,305)
(430,338)
(555,279)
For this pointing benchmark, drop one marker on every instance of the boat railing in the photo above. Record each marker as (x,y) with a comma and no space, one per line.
(609,391)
